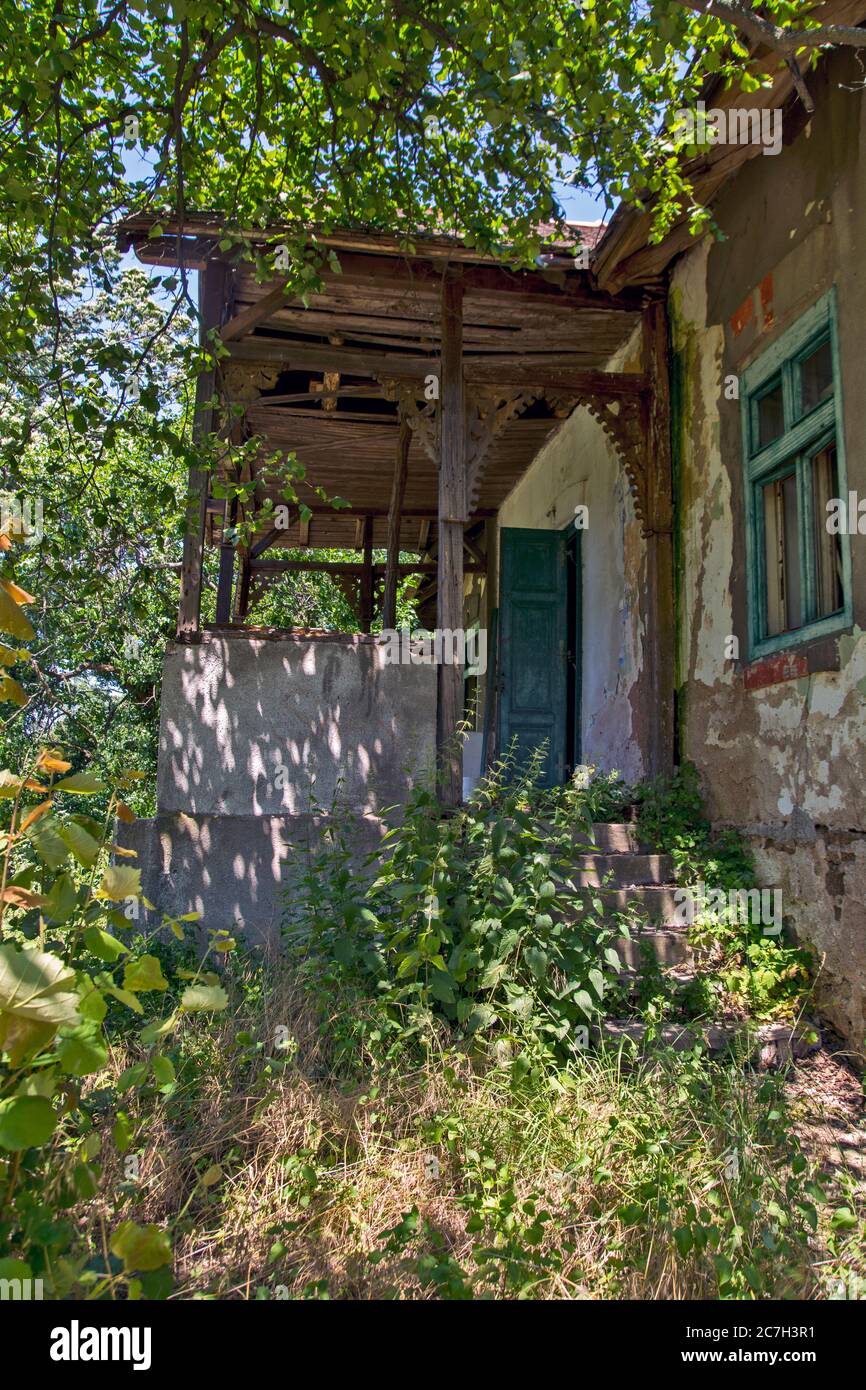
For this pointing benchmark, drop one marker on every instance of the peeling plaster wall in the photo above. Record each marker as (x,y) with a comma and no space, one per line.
(784,762)
(579,465)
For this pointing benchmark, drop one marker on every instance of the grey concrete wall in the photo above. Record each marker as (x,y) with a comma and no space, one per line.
(247,723)
(258,734)
(237,871)
(783,762)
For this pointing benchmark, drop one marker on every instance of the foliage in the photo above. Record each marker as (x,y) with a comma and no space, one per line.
(472,919)
(464,119)
(68,903)
(474,923)
(318,601)
(444,1177)
(762,974)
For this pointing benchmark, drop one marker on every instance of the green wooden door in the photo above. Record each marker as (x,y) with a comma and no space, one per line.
(533,618)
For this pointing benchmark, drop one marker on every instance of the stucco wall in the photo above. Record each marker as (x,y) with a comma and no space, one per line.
(247,723)
(785,761)
(236,871)
(256,735)
(579,466)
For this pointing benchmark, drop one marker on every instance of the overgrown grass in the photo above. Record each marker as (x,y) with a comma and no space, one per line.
(442,1177)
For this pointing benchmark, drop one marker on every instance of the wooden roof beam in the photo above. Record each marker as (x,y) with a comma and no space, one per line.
(423,276)
(496,369)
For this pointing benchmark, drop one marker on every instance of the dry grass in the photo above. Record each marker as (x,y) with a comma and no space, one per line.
(313,1170)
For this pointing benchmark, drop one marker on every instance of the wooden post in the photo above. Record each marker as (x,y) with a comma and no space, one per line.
(660,568)
(452,517)
(366,604)
(398,488)
(213,287)
(227,567)
(242,596)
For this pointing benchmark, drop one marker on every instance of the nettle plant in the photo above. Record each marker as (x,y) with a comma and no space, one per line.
(74,967)
(472,920)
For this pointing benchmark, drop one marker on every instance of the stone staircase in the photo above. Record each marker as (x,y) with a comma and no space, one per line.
(612,865)
(628,878)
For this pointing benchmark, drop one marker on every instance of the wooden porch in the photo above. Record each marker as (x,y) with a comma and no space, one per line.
(418,386)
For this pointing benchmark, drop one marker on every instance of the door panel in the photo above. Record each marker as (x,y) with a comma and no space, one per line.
(532,655)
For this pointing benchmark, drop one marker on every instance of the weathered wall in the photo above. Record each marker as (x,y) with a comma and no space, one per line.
(784,761)
(579,465)
(256,735)
(247,722)
(237,871)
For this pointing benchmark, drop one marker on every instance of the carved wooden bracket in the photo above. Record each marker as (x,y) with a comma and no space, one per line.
(488,412)
(423,420)
(625,419)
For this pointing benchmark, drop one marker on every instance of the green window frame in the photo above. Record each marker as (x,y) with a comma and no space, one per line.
(799,577)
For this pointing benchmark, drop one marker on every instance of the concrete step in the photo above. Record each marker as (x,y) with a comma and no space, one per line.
(669,945)
(612,837)
(769,1044)
(650,903)
(623,870)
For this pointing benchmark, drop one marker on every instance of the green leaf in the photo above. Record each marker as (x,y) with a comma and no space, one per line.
(141,1247)
(26,1122)
(133,1076)
(82,1052)
(538,962)
(122,1131)
(442,987)
(120,882)
(211,1175)
(843,1219)
(10,785)
(482,1016)
(198,998)
(124,996)
(584,1002)
(163,1070)
(85,1179)
(83,846)
(596,979)
(52,850)
(144,974)
(37,996)
(159,1028)
(61,901)
(103,945)
(81,783)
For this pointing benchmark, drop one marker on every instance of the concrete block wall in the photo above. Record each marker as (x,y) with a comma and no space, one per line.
(260,735)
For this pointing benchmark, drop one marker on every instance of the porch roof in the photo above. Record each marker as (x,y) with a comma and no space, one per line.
(331,380)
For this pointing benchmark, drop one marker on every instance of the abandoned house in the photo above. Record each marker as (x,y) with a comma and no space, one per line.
(621,475)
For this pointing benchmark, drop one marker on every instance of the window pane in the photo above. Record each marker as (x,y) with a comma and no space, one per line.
(782,555)
(816,377)
(828,547)
(771,420)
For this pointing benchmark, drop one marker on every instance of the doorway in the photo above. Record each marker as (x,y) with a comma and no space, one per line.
(539,648)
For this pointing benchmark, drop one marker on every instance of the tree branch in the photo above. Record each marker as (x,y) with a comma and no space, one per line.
(785,42)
